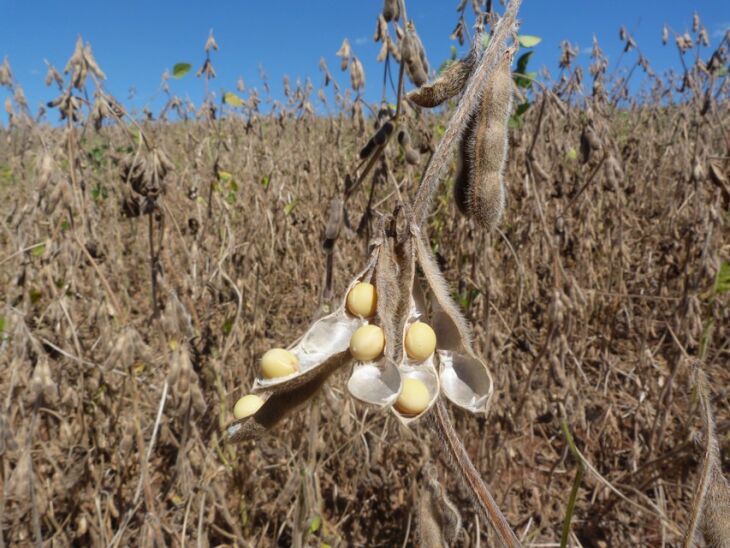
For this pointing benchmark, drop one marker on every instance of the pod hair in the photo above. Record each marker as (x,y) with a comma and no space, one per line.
(478,189)
(450,83)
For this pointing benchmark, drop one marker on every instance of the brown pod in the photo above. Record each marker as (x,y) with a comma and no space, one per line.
(357,74)
(382,134)
(391,10)
(344,54)
(335,221)
(478,187)
(414,57)
(450,83)
(461,182)
(368,149)
(588,142)
(411,155)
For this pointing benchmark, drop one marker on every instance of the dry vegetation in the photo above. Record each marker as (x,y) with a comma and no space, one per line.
(147,265)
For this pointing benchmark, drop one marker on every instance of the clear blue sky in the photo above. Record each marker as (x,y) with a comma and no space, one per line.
(135,41)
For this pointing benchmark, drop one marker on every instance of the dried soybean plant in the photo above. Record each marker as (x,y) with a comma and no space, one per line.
(409,345)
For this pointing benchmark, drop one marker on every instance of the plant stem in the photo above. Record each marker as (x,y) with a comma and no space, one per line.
(574,490)
(459,459)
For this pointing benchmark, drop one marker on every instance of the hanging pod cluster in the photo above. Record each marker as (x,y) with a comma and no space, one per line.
(406,346)
(479,186)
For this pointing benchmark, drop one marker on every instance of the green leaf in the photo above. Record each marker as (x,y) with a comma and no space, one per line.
(515,122)
(6,172)
(136,136)
(65,225)
(180,70)
(572,154)
(288,208)
(224,176)
(722,281)
(233,100)
(315,525)
(2,324)
(38,250)
(453,53)
(528,41)
(522,108)
(522,62)
(99,193)
(525,80)
(265,181)
(228,326)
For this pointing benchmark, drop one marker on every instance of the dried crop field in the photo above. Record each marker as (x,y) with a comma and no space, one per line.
(148,264)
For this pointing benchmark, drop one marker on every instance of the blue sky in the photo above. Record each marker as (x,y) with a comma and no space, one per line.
(135,41)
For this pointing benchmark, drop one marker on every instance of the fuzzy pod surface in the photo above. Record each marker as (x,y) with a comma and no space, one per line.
(479,188)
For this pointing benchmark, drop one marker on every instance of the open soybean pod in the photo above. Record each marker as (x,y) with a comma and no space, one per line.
(464,378)
(277,406)
(323,349)
(325,339)
(417,367)
(377,381)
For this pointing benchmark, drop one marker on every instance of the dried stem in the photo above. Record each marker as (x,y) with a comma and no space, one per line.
(470,478)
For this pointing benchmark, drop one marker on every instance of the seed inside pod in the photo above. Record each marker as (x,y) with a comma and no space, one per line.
(367,343)
(362,300)
(420,341)
(413,398)
(247,406)
(278,362)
